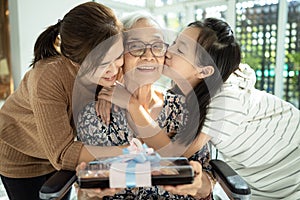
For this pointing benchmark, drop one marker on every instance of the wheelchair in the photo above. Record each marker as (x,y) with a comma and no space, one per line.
(233,185)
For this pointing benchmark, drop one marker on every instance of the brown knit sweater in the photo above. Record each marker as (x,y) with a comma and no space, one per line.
(36,125)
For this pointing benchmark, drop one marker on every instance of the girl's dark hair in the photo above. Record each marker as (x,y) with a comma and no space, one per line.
(217,39)
(81,29)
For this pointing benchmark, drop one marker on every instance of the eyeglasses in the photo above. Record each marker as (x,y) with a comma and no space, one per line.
(138,48)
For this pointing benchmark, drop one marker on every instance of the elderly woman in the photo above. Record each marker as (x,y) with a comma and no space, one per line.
(143,64)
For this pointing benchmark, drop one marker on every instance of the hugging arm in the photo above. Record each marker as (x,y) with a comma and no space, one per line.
(147,128)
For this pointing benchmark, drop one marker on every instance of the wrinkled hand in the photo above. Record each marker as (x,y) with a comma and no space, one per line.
(97,193)
(117,95)
(188,189)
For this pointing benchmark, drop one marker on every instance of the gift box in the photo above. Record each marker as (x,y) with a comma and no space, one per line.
(137,167)
(110,173)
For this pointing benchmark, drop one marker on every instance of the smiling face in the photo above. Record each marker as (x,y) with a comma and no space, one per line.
(181,56)
(106,72)
(109,76)
(146,68)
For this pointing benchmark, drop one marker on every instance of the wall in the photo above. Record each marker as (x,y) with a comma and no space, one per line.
(27,20)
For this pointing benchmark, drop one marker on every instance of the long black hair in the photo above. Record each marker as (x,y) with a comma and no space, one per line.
(215,38)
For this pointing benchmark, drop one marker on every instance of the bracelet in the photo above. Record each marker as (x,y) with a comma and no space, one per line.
(211,179)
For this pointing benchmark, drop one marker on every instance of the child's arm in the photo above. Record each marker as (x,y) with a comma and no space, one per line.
(155,137)
(147,129)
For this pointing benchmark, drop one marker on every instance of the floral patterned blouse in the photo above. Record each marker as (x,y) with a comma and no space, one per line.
(92,131)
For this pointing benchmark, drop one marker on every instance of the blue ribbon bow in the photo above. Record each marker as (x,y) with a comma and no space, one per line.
(136,153)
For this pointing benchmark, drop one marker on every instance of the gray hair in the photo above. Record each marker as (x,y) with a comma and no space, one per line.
(130,19)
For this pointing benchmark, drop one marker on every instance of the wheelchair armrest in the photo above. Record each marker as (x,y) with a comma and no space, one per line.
(233,184)
(58,184)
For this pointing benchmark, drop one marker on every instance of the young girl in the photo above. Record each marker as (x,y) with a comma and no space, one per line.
(257,133)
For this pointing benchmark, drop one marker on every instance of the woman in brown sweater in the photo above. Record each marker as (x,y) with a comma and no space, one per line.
(37,134)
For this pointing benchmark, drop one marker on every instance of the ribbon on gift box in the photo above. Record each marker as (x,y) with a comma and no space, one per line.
(133,168)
